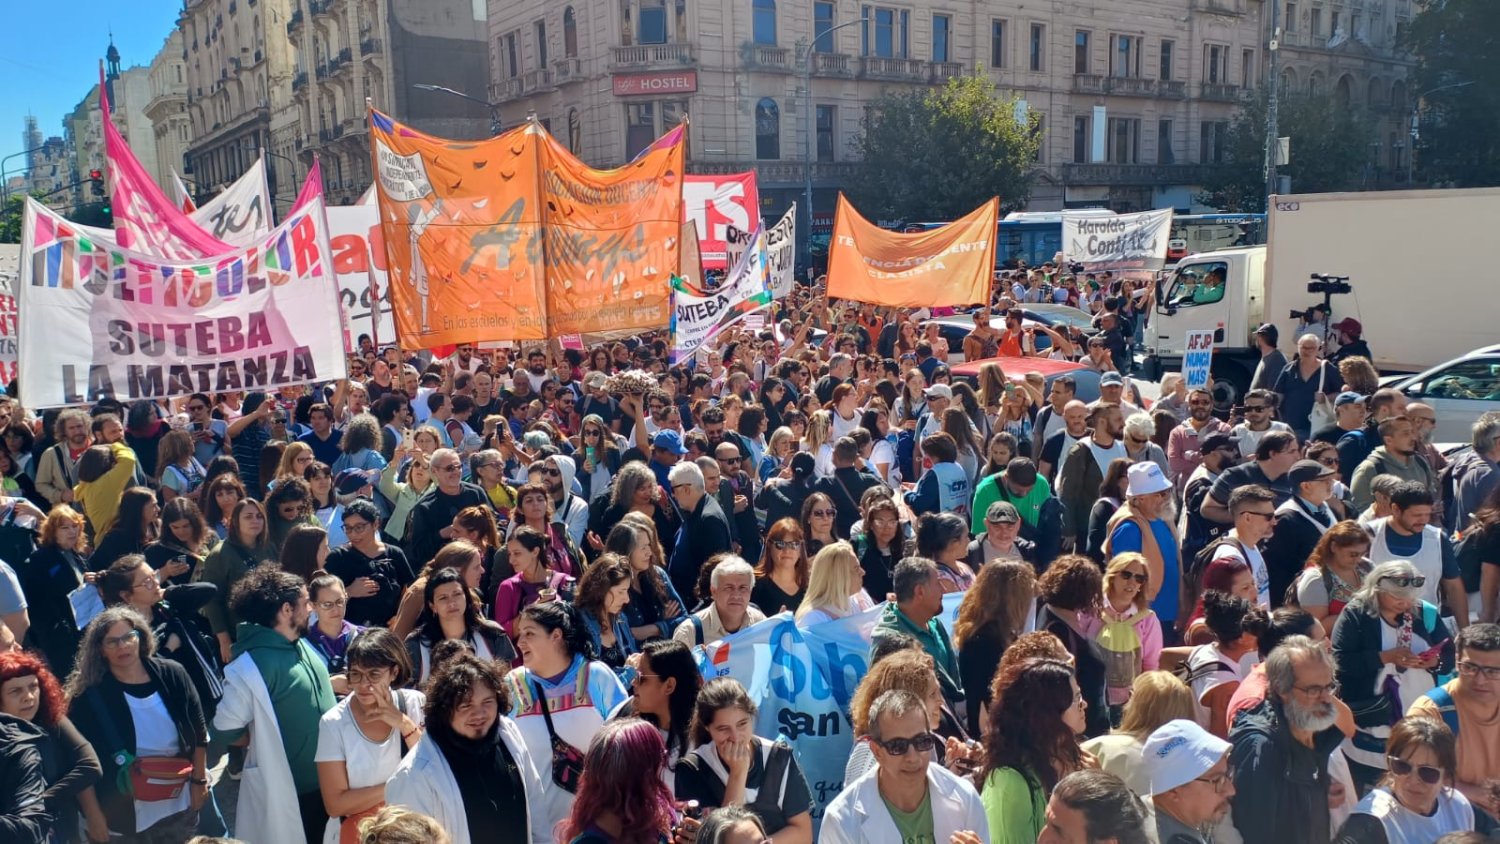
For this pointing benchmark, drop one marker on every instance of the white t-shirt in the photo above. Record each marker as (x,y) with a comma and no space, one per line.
(1248,440)
(155,735)
(1205,680)
(366,762)
(885,453)
(1257,563)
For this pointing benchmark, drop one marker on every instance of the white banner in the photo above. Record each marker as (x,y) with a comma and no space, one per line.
(698,316)
(100,320)
(781,253)
(1122,242)
(358,250)
(241,214)
(8,315)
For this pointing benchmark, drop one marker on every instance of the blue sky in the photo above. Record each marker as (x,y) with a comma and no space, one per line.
(52,54)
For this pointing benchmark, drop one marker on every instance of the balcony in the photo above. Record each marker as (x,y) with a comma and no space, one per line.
(319,7)
(536,80)
(368,46)
(1090,83)
(507,89)
(1132,86)
(767,57)
(299,81)
(943,71)
(832,64)
(1171,90)
(294,21)
(778,172)
(651,56)
(321,71)
(896,70)
(567,70)
(1135,174)
(1219,93)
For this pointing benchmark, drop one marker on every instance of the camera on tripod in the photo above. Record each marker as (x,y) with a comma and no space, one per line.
(1329,285)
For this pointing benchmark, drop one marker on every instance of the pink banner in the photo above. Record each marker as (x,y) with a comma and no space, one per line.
(720,206)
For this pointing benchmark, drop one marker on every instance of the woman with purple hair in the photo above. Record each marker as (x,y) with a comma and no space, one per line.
(615,804)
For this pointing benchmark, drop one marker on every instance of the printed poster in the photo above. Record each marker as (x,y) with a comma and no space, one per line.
(1120,243)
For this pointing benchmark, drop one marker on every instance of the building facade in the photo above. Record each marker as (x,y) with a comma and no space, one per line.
(167,109)
(350,51)
(1133,98)
(239,69)
(83,136)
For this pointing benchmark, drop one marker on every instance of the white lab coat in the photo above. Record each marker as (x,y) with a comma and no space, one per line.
(267,809)
(424,782)
(858,814)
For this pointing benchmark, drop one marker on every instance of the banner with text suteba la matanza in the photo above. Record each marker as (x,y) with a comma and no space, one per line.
(97,319)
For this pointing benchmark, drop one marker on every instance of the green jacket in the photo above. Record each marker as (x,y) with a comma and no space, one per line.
(935,641)
(223,567)
(300,694)
(988,493)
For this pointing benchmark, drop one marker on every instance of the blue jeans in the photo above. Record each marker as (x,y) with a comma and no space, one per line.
(210,819)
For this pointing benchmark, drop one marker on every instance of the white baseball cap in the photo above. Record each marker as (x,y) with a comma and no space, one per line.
(1179,752)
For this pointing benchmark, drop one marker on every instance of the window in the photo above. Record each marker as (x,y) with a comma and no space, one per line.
(1211,141)
(1080,140)
(1354,22)
(827,117)
(1316,23)
(1038,40)
(1214,70)
(640,127)
(1039,134)
(1125,58)
(512,57)
(764,21)
(997,43)
(1470,380)
(570,33)
(1336,20)
(940,29)
(1167,48)
(767,130)
(1164,152)
(1124,140)
(540,27)
(884,32)
(1247,68)
(575,130)
(822,23)
(1198,284)
(1081,52)
(1289,20)
(652,27)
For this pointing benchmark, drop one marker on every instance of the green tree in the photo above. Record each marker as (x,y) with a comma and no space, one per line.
(1456,41)
(937,154)
(10,218)
(1330,147)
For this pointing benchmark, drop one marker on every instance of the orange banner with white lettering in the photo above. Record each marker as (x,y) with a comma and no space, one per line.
(950,265)
(513,238)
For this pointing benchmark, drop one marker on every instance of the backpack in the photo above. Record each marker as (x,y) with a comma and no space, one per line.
(1289,599)
(1445,707)
(1190,675)
(1192,576)
(906,448)
(1469,552)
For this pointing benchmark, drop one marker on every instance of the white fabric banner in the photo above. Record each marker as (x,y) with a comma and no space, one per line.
(358,251)
(1122,242)
(241,215)
(781,253)
(698,316)
(100,320)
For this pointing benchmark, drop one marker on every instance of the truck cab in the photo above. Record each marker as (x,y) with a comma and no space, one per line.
(1223,292)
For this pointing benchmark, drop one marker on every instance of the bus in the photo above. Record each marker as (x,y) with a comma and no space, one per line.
(1195,233)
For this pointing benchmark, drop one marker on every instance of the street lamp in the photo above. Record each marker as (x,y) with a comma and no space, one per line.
(811,129)
(4,180)
(493,107)
(1416,107)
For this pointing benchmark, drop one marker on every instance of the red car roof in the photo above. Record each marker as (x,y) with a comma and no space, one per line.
(1016,367)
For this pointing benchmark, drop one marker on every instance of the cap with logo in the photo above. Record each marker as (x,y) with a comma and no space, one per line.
(1179,752)
(1002,513)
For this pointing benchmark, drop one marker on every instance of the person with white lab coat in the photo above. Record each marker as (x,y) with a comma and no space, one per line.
(277,688)
(905,797)
(469,747)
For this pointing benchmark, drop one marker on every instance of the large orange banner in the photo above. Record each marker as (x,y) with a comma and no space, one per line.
(513,238)
(950,265)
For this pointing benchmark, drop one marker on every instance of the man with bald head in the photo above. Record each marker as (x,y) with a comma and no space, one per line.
(1075,416)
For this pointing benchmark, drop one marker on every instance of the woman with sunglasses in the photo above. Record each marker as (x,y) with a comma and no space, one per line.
(288,505)
(663,690)
(781,576)
(819,520)
(404,495)
(1389,646)
(534,510)
(1125,628)
(732,766)
(599,458)
(1416,801)
(1335,570)
(1032,742)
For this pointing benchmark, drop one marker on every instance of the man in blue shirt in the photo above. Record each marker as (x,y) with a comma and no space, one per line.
(1146,497)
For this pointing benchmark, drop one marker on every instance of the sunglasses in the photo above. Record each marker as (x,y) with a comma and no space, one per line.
(551,472)
(787,544)
(1255,408)
(901,746)
(1415,581)
(824,514)
(1426,773)
(1138,578)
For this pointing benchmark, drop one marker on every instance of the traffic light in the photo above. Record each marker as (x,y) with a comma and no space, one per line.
(96,180)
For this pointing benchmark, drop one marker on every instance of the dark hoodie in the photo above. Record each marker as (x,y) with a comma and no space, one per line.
(23,814)
(1281,784)
(300,693)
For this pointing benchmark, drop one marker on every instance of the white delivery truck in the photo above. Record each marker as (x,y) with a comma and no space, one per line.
(1414,262)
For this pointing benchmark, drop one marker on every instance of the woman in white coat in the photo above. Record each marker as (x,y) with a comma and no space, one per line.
(862,811)
(468,747)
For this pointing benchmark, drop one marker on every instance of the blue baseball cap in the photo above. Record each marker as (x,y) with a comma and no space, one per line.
(1348,397)
(668,440)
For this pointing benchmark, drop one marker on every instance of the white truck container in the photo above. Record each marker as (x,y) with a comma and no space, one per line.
(1414,260)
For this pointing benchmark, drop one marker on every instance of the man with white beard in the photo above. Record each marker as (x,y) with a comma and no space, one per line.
(1279,750)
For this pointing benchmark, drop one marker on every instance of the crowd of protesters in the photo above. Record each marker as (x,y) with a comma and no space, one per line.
(458,596)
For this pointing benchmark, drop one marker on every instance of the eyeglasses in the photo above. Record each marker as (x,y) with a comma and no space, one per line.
(1427,773)
(732,460)
(823,514)
(1474,669)
(1415,581)
(328,605)
(1138,577)
(551,472)
(901,746)
(1332,690)
(1216,783)
(1270,517)
(356,527)
(787,544)
(124,641)
(1256,408)
(451,467)
(1331,462)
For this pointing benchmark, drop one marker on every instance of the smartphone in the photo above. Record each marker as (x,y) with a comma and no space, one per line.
(1434,650)
(588,453)
(408,441)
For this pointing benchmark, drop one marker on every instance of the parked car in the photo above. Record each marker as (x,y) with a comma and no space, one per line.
(1086,380)
(1458,392)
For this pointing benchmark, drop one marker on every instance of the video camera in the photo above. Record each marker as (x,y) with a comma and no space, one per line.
(1329,285)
